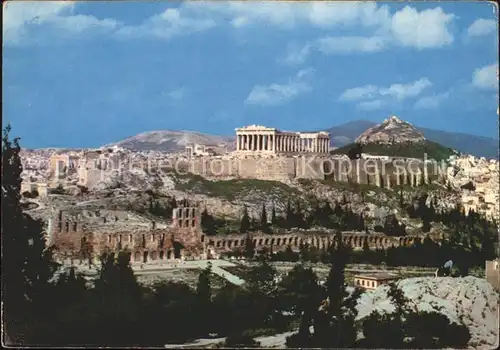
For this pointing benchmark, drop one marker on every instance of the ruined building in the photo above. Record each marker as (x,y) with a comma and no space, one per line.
(74,238)
(183,238)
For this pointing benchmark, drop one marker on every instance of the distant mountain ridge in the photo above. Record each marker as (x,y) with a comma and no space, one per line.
(341,135)
(170,140)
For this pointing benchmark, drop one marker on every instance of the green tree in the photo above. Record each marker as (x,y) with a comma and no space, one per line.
(207,223)
(204,298)
(274,219)
(27,265)
(334,324)
(263,216)
(245,221)
(249,251)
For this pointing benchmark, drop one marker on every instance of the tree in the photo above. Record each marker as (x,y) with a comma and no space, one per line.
(27,264)
(204,297)
(274,219)
(334,324)
(263,216)
(245,221)
(299,292)
(249,251)
(207,223)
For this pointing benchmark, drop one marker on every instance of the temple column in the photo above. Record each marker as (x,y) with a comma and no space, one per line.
(388,181)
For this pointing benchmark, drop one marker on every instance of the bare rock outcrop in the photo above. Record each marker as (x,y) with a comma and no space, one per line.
(468,300)
(391,130)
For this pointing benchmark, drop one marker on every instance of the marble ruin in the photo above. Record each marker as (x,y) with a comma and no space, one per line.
(258,138)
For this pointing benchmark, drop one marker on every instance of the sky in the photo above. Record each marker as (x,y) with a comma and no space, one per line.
(84,74)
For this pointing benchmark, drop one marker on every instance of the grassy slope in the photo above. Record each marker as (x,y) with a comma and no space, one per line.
(230,189)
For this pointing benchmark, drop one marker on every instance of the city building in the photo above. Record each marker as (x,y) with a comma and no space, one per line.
(372,281)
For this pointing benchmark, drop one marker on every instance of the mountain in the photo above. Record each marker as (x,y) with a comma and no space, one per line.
(171,140)
(397,138)
(391,130)
(479,146)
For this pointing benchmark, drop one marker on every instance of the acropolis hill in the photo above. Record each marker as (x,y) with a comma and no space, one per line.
(111,199)
(258,153)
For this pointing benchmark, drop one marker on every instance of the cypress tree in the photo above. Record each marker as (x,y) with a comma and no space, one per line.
(245,221)
(263,216)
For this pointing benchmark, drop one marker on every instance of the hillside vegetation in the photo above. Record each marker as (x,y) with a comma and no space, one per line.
(433,150)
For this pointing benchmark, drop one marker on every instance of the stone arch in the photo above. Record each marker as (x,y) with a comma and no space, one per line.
(266,242)
(162,254)
(145,256)
(272,241)
(137,256)
(260,241)
(153,255)
(278,241)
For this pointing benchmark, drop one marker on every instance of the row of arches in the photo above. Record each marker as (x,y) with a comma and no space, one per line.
(318,241)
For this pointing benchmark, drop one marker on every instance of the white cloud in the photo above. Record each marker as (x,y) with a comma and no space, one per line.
(170,23)
(350,44)
(359,93)
(19,15)
(276,94)
(296,54)
(404,91)
(326,14)
(370,105)
(395,91)
(287,15)
(422,30)
(407,28)
(486,77)
(177,94)
(481,27)
(431,102)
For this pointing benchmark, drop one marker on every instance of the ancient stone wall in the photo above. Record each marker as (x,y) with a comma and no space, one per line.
(294,240)
(72,238)
(382,173)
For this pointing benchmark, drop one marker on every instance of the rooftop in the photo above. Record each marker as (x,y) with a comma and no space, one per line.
(377,276)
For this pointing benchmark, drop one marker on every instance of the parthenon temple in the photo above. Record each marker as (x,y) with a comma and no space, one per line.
(258,138)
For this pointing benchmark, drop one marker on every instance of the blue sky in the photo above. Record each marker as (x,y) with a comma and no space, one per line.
(81,74)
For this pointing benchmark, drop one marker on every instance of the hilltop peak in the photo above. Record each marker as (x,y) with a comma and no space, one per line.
(392,129)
